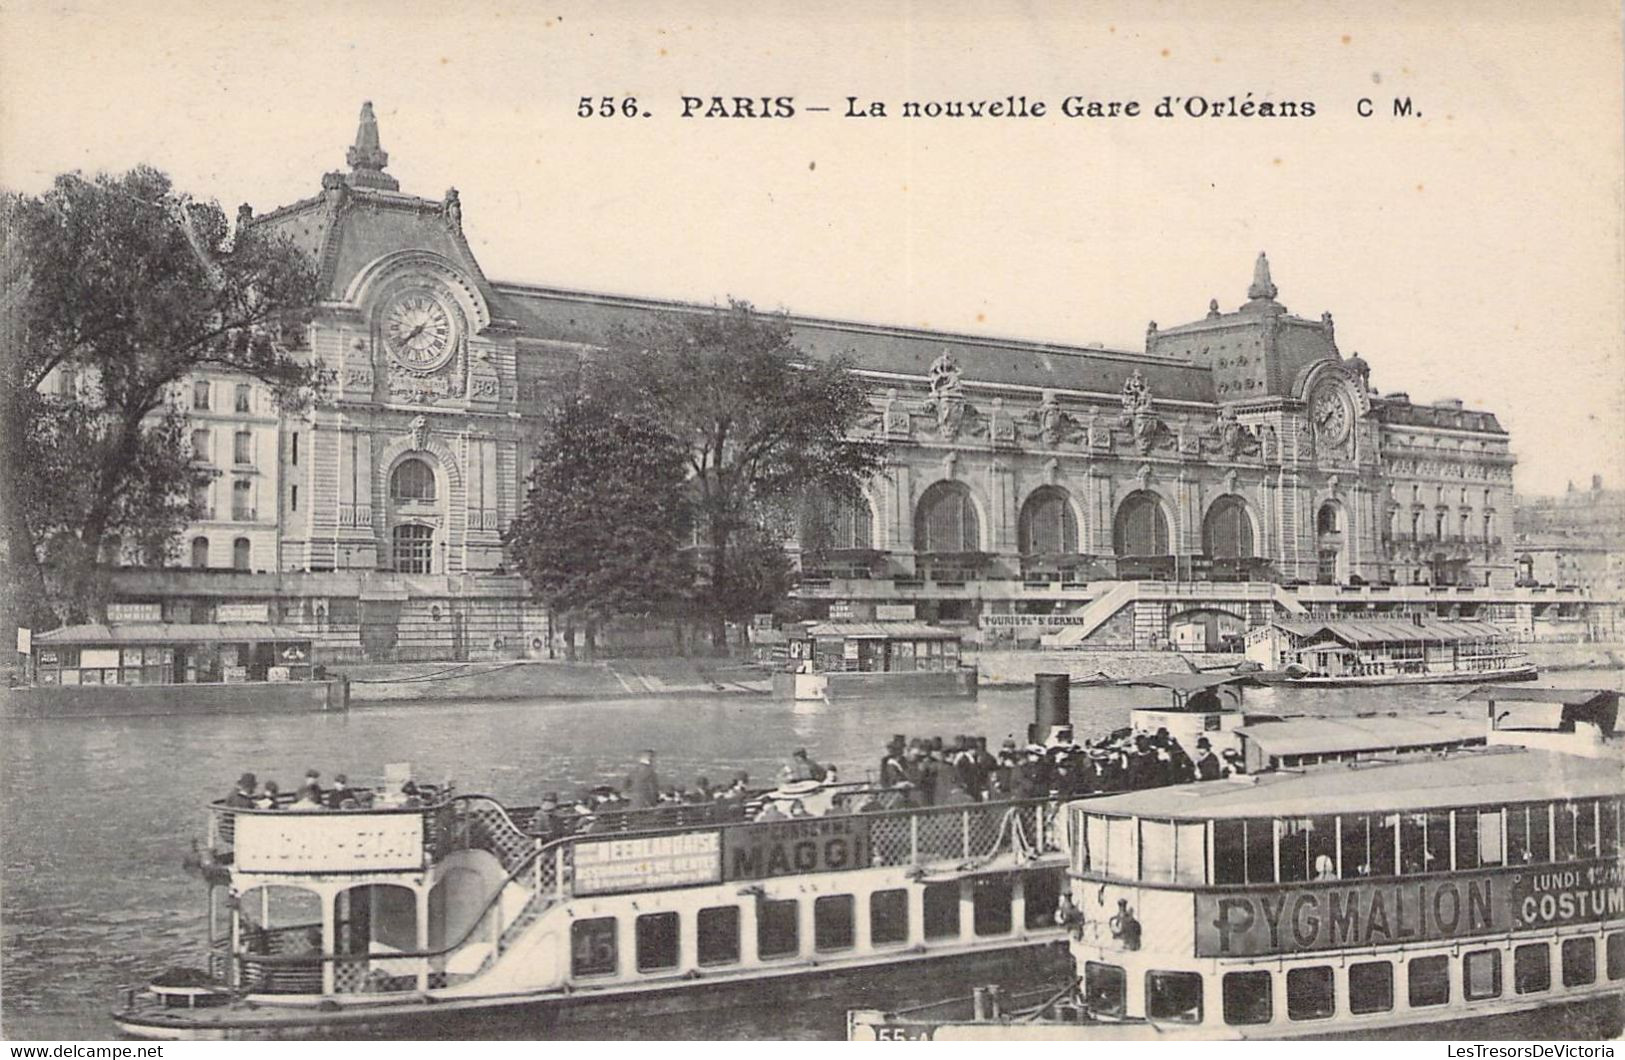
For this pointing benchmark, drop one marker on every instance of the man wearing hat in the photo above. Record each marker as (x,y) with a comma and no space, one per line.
(893,767)
(242,797)
(643,784)
(544,823)
(1208,766)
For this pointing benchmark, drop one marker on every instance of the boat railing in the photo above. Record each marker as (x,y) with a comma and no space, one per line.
(956,836)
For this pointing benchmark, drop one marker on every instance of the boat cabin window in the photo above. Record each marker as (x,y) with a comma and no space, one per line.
(1424,842)
(990,904)
(1173,851)
(777,928)
(941,910)
(1608,828)
(592,947)
(1311,993)
(1532,968)
(1042,895)
(1244,851)
(1308,848)
(1371,987)
(1248,998)
(833,922)
(1481,974)
(1529,834)
(1616,955)
(1428,981)
(1173,996)
(888,917)
(657,941)
(719,935)
(1105,988)
(1579,961)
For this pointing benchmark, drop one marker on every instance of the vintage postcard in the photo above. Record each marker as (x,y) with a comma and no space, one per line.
(1015,521)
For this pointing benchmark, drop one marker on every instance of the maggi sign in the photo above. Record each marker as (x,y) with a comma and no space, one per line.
(1323,916)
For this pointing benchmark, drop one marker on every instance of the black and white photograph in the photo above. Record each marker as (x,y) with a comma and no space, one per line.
(692,521)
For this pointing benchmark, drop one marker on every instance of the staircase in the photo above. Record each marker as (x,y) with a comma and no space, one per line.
(1094,616)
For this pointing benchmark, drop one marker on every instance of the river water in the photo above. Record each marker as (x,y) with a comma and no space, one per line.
(97,814)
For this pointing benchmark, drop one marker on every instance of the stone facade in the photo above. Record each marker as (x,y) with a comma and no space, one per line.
(1242,446)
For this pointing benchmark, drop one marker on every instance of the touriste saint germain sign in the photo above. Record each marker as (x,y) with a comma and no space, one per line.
(1321,916)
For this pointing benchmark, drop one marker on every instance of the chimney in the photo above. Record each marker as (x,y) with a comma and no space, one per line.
(1596,483)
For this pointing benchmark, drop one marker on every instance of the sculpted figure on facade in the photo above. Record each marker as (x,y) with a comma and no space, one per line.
(947,398)
(1149,431)
(1050,422)
(452,208)
(1231,439)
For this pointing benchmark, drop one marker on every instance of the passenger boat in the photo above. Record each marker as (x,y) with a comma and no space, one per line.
(1339,888)
(848,660)
(398,921)
(1354,653)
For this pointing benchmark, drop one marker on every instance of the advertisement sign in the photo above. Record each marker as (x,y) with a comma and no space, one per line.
(816,844)
(242,613)
(992,621)
(1357,914)
(328,841)
(25,640)
(131,612)
(895,612)
(608,865)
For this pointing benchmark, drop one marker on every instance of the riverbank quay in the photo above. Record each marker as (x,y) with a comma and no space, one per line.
(550,679)
(1015,669)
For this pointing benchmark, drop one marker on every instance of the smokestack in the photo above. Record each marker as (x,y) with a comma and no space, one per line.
(1052,706)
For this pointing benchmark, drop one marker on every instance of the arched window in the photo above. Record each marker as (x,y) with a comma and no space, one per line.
(200,553)
(412,481)
(834,522)
(414,549)
(1328,520)
(1140,528)
(241,554)
(1048,526)
(1227,532)
(945,520)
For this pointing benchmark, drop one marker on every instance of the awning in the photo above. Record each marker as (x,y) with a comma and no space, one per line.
(1306,736)
(879,631)
(1571,697)
(1184,682)
(172,633)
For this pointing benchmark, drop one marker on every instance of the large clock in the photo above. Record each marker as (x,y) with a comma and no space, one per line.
(419,331)
(1331,414)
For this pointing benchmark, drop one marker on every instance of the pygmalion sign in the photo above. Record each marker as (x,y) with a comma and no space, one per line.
(1323,916)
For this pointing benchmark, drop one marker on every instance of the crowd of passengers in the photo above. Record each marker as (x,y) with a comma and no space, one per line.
(250,795)
(935,773)
(913,773)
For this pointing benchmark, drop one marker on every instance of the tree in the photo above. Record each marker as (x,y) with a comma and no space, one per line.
(759,422)
(600,532)
(132,286)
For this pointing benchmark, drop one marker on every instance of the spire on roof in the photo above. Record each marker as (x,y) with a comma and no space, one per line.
(1262,290)
(366,158)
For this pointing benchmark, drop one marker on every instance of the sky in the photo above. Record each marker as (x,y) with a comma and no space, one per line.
(1474,248)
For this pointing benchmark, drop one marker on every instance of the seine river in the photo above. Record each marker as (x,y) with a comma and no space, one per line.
(97,814)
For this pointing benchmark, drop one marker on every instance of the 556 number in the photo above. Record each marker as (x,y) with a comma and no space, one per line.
(608,107)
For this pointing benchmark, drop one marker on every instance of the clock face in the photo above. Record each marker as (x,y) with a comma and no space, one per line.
(418,331)
(1330,413)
